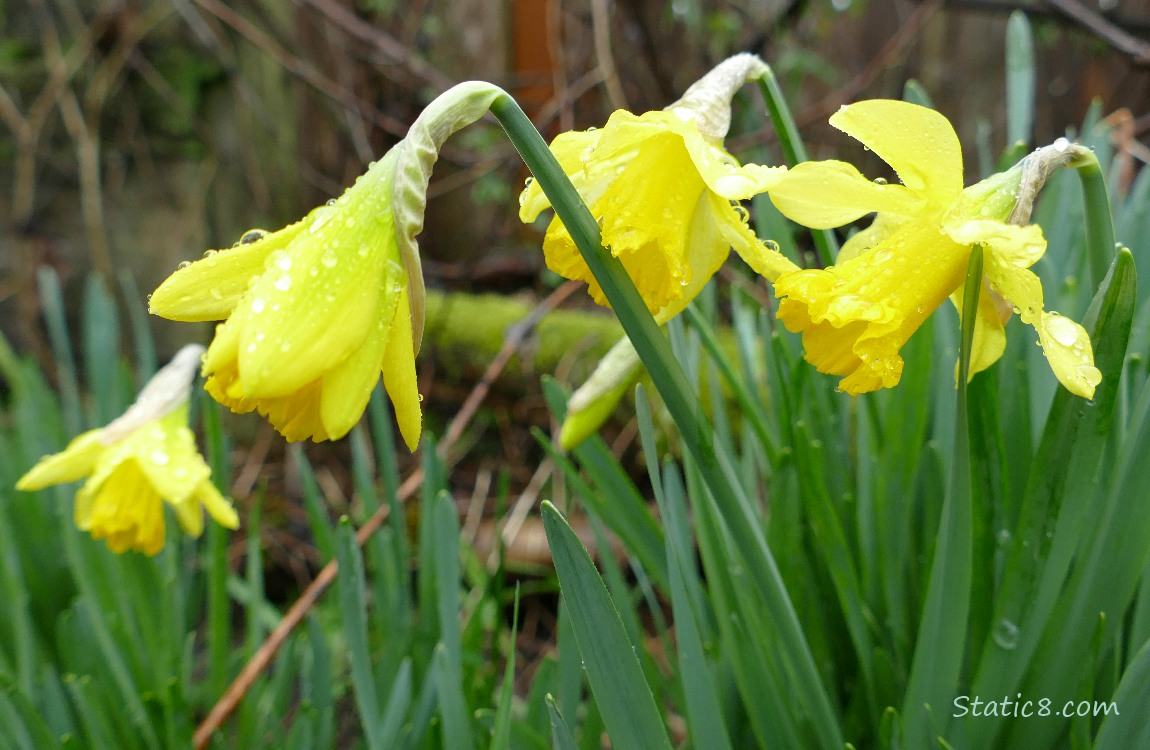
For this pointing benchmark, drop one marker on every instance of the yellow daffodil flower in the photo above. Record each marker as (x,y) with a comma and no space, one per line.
(137,463)
(664,191)
(316,311)
(857,314)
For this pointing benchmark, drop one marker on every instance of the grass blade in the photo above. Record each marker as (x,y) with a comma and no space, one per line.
(613,670)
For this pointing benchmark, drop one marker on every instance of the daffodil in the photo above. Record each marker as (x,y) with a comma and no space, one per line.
(315,312)
(857,314)
(137,463)
(665,194)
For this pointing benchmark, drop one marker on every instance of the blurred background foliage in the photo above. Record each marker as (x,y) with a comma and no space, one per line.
(138,133)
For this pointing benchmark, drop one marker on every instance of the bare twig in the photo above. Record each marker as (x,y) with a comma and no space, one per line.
(601,28)
(305,71)
(1112,34)
(271,645)
(338,15)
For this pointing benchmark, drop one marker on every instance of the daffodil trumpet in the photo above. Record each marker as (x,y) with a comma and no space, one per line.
(856,315)
(145,458)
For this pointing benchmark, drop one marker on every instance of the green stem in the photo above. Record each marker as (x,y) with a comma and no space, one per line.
(941,640)
(669,378)
(1099,220)
(826,244)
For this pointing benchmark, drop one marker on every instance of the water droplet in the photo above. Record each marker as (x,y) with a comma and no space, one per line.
(350,221)
(215,293)
(1005,634)
(210,253)
(529,182)
(283,283)
(328,258)
(160,457)
(184,264)
(1062,330)
(1061,144)
(880,181)
(330,202)
(252,235)
(258,305)
(1003,536)
(284,262)
(421,398)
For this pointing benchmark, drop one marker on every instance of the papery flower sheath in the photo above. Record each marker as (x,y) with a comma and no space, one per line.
(665,194)
(856,315)
(315,312)
(135,464)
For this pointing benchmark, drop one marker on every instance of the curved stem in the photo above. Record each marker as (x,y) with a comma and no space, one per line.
(1099,220)
(671,381)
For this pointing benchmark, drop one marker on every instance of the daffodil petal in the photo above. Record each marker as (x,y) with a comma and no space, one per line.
(917,142)
(217,506)
(1018,246)
(347,388)
(209,289)
(316,303)
(126,511)
(166,453)
(648,225)
(724,175)
(763,260)
(75,461)
(828,194)
(569,150)
(190,515)
(399,378)
(883,226)
(1067,347)
(1019,286)
(989,333)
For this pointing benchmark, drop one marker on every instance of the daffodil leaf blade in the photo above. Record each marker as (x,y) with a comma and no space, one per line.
(943,626)
(613,671)
(1057,501)
(1125,728)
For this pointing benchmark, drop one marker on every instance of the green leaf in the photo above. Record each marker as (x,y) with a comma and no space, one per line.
(561,735)
(1019,79)
(1125,725)
(613,670)
(353,617)
(941,638)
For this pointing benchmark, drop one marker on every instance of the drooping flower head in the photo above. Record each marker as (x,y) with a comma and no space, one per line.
(314,313)
(857,314)
(137,463)
(662,187)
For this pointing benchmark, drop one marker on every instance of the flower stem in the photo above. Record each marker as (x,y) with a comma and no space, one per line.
(671,381)
(1099,221)
(941,641)
(826,244)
